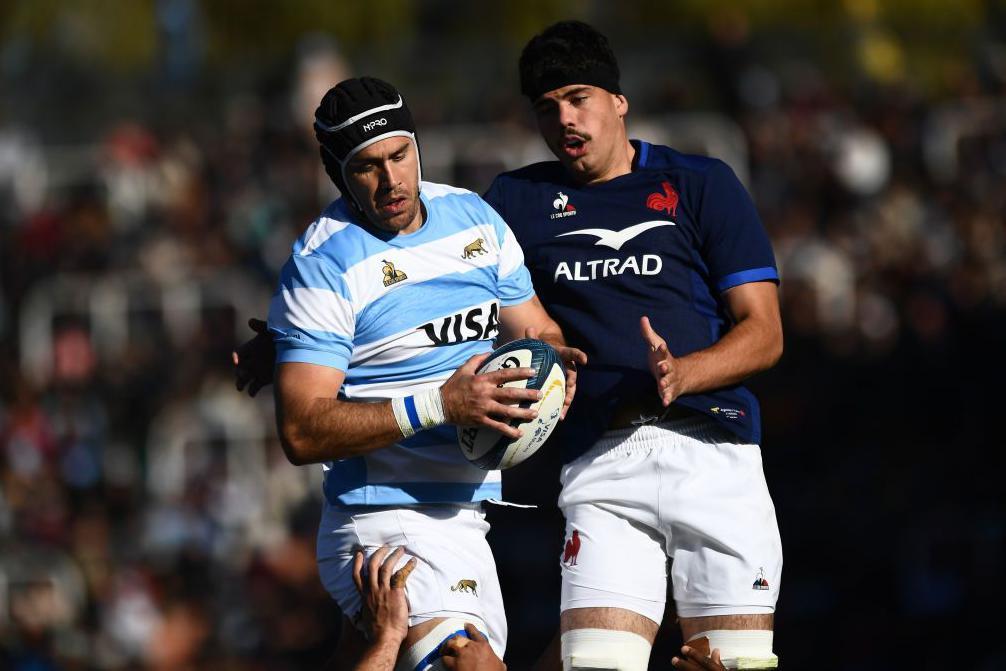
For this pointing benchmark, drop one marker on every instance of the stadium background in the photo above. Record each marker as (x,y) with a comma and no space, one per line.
(156,162)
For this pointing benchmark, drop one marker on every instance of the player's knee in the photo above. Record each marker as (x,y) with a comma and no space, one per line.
(742,648)
(606,649)
(428,648)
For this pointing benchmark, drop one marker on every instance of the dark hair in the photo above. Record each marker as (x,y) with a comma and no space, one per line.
(565,53)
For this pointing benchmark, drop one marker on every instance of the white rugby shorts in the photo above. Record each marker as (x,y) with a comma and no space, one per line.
(455,575)
(682,492)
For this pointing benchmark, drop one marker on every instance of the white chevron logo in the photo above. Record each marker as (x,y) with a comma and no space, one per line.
(615,239)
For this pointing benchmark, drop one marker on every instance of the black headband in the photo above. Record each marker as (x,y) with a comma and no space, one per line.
(600,75)
(565,54)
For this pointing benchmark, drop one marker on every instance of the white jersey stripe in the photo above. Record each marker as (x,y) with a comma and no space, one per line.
(385,390)
(312,309)
(422,263)
(433,190)
(319,232)
(404,344)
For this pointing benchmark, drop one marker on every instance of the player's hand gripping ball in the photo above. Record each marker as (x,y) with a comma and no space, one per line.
(487,448)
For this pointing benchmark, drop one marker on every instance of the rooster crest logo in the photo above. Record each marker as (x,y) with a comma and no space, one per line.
(564,207)
(392,276)
(572,549)
(664,202)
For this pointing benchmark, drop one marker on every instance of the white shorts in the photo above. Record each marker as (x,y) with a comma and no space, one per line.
(455,575)
(682,491)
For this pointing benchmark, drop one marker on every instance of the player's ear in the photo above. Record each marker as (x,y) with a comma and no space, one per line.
(621,105)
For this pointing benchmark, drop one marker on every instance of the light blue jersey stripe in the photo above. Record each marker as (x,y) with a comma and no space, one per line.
(312,272)
(432,362)
(411,305)
(405,493)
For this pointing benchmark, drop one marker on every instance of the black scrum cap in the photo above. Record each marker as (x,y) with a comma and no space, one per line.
(355,114)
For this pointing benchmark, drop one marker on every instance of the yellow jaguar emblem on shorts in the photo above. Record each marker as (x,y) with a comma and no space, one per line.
(474,247)
(391,276)
(465,586)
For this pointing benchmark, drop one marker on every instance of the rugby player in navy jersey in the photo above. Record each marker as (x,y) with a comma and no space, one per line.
(656,264)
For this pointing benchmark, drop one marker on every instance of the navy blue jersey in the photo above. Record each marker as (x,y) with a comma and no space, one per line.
(665,240)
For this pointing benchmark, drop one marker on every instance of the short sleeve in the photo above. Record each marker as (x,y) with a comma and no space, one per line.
(311,316)
(494,196)
(513,279)
(733,242)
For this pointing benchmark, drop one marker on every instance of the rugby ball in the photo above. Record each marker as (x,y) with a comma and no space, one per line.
(488,448)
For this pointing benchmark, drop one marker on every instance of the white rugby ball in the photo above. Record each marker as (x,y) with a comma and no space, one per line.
(488,448)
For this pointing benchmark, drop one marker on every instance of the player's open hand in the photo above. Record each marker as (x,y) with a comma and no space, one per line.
(571,358)
(696,657)
(470,654)
(254,360)
(482,400)
(665,368)
(382,590)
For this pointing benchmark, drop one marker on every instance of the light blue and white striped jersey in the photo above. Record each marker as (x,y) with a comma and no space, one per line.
(399,314)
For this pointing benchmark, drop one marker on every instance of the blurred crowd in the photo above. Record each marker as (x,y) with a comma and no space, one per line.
(148,519)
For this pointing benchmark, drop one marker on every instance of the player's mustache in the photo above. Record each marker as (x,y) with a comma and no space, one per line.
(578,135)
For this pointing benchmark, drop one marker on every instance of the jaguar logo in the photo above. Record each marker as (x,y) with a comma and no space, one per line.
(465,586)
(473,248)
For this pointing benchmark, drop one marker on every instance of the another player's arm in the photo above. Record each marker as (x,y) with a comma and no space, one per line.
(314,426)
(695,656)
(254,360)
(516,320)
(384,615)
(470,654)
(752,345)
(529,319)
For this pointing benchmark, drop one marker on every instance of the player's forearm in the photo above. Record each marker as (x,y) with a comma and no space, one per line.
(325,429)
(552,334)
(516,321)
(751,346)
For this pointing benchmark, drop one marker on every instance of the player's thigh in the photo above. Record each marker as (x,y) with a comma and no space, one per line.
(614,572)
(693,626)
(619,619)
(721,530)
